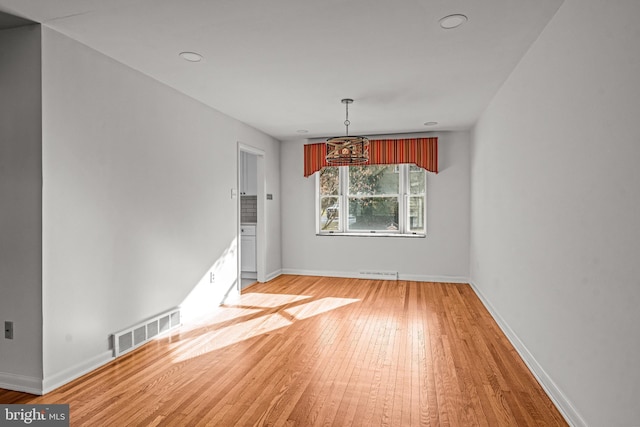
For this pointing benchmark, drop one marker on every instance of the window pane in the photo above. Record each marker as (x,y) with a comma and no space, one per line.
(329,181)
(373,180)
(417,180)
(373,213)
(329,213)
(373,200)
(416,214)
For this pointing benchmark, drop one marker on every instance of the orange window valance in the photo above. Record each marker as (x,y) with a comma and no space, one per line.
(422,152)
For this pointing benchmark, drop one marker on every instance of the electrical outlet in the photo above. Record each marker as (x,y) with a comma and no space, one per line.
(211,277)
(8,330)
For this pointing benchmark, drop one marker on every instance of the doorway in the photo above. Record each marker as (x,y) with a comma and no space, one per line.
(251,216)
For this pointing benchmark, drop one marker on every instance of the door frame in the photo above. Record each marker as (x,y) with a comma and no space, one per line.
(261,226)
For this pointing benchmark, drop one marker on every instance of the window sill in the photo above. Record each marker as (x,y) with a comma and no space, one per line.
(380,234)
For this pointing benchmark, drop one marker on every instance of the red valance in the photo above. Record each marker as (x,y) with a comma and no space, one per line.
(422,152)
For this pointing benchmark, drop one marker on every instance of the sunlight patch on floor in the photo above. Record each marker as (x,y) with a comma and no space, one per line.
(313,308)
(230,335)
(268,300)
(261,318)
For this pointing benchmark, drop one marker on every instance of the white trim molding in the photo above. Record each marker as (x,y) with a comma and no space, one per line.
(273,275)
(560,400)
(261,230)
(358,275)
(54,381)
(437,279)
(21,383)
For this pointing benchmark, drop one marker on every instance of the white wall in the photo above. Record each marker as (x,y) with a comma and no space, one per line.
(21,207)
(555,209)
(137,205)
(442,255)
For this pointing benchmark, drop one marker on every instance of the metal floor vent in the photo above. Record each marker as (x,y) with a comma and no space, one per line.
(379,275)
(136,335)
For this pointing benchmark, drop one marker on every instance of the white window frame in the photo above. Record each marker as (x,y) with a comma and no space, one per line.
(343,196)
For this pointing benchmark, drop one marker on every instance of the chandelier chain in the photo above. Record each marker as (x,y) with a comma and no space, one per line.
(347,122)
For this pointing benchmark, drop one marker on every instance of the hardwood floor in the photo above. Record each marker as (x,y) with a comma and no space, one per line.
(306,351)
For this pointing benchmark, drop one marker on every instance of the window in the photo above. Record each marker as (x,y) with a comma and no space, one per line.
(372,200)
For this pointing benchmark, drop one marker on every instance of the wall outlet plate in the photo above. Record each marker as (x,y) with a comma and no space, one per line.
(8,330)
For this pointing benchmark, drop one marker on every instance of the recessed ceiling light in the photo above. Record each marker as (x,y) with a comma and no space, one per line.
(452,21)
(191,56)
(431,123)
(302,131)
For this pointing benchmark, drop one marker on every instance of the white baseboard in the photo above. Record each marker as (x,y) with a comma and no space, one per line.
(438,279)
(297,272)
(273,275)
(357,275)
(21,383)
(54,381)
(564,405)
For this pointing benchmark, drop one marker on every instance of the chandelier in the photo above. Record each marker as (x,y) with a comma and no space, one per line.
(347,150)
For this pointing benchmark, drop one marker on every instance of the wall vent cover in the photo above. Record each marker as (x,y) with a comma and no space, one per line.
(379,275)
(134,336)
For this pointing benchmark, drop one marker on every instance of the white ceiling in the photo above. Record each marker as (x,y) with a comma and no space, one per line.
(284,65)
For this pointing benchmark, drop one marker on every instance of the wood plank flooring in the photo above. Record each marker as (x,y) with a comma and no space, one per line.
(307,351)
